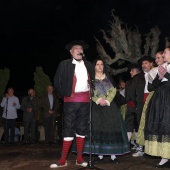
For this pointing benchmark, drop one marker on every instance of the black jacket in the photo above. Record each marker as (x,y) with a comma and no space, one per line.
(63,78)
(134,89)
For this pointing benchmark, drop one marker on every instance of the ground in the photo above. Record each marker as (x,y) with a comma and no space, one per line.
(39,156)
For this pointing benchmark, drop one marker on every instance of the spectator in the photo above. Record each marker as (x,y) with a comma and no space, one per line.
(10,104)
(30,105)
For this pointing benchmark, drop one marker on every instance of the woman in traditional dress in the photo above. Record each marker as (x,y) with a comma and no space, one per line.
(153,80)
(157,124)
(108,129)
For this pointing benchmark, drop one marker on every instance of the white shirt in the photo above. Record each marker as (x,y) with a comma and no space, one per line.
(82,84)
(10,111)
(168,70)
(50,97)
(154,71)
(146,83)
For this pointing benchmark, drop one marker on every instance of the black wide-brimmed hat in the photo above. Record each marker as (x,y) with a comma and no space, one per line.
(133,65)
(146,58)
(77,42)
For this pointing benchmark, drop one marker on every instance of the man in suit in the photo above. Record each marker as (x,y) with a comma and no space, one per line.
(50,105)
(30,105)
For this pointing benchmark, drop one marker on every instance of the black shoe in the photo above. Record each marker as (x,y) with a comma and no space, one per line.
(115,161)
(98,160)
(26,142)
(165,165)
(52,142)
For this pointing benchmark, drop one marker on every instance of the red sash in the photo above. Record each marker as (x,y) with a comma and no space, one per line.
(77,97)
(145,96)
(130,104)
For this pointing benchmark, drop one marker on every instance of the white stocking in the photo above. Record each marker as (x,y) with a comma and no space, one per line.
(113,157)
(163,161)
(129,134)
(100,156)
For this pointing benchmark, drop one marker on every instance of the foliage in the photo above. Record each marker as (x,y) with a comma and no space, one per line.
(4,78)
(41,81)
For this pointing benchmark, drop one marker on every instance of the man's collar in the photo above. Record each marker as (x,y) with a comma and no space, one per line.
(76,62)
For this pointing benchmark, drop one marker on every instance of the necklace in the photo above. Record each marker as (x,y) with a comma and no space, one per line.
(100,77)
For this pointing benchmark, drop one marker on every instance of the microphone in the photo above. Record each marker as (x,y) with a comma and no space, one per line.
(82,54)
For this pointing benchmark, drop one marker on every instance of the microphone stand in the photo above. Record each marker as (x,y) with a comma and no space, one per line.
(90,162)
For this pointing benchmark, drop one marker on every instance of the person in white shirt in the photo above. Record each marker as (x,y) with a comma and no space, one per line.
(10,104)
(72,82)
(140,95)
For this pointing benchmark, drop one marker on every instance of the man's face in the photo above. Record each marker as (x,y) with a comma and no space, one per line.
(146,66)
(75,50)
(166,55)
(50,89)
(10,92)
(122,85)
(31,92)
(133,72)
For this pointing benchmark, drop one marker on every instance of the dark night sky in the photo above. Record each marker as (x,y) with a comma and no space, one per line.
(35,32)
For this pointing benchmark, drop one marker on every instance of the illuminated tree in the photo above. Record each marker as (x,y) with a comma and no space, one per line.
(126,45)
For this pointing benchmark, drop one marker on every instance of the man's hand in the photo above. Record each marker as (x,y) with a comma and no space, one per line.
(29,110)
(50,111)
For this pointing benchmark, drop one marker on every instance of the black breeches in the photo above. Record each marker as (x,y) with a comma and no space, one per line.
(131,119)
(76,116)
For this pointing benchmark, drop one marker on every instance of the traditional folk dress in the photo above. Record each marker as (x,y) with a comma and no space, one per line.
(157,123)
(152,85)
(108,129)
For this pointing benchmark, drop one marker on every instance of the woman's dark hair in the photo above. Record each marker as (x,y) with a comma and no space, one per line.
(104,65)
(105,70)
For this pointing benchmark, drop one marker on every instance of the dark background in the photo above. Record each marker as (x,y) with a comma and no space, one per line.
(35,32)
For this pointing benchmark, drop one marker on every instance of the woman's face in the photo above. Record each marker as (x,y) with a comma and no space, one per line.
(166,55)
(99,66)
(159,59)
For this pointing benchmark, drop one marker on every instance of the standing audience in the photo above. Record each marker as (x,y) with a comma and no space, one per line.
(50,104)
(10,104)
(30,104)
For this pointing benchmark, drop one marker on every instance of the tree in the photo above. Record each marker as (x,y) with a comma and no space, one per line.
(4,78)
(41,82)
(126,44)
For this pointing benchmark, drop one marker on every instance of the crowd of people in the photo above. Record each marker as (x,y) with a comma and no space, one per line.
(85,88)
(31,106)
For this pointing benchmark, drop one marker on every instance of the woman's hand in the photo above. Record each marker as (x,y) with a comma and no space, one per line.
(162,71)
(102,102)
